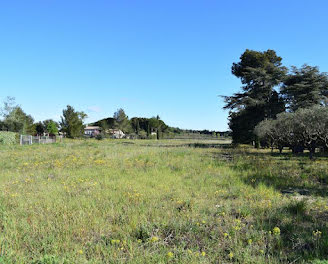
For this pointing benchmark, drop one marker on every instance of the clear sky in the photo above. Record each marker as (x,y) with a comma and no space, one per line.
(171,57)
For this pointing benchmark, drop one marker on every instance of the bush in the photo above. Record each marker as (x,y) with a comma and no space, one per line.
(100,136)
(8,138)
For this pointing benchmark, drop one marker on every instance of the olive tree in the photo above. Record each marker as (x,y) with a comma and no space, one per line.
(304,129)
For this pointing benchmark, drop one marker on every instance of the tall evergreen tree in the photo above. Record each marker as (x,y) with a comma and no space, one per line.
(260,73)
(72,122)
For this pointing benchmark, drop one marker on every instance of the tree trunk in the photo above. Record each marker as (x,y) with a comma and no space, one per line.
(312,151)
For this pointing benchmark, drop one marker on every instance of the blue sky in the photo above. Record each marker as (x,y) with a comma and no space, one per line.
(171,58)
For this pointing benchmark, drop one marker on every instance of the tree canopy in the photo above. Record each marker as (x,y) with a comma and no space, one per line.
(305,87)
(306,128)
(260,73)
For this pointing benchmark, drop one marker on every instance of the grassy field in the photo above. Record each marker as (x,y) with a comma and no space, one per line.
(117,201)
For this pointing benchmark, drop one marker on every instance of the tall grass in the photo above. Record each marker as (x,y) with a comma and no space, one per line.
(117,201)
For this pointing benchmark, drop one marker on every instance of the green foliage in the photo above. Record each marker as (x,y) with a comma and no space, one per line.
(8,138)
(8,106)
(107,123)
(260,73)
(18,121)
(100,136)
(48,259)
(122,121)
(72,122)
(52,127)
(305,128)
(157,125)
(39,128)
(139,126)
(320,262)
(305,87)
(88,201)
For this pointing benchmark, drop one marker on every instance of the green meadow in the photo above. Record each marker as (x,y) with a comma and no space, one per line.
(167,201)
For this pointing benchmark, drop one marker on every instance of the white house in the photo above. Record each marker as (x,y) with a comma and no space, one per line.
(115,133)
(92,130)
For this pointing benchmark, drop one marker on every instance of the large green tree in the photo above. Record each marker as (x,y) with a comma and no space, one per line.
(72,122)
(305,87)
(260,73)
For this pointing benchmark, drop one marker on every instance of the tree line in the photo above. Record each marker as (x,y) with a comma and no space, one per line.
(14,119)
(140,127)
(72,123)
(277,106)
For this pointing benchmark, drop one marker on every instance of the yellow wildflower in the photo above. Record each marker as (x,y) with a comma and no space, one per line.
(317,233)
(154,239)
(276,231)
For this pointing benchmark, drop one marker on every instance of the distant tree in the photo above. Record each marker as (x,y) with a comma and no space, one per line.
(52,127)
(105,123)
(305,87)
(9,105)
(135,125)
(15,119)
(72,122)
(122,121)
(18,121)
(104,126)
(39,128)
(260,73)
(47,122)
(155,123)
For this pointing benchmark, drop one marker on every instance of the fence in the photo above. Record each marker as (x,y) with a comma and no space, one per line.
(29,140)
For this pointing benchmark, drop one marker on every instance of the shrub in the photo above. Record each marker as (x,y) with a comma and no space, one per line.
(100,136)
(8,138)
